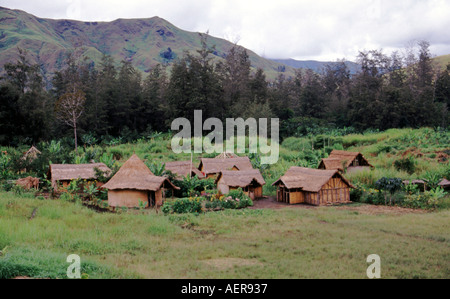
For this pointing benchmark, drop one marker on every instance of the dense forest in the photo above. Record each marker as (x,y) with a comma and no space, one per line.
(101,102)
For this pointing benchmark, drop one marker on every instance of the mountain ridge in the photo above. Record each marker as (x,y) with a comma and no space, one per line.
(317,66)
(145,42)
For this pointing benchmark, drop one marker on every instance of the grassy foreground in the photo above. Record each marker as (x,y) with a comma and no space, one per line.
(326,242)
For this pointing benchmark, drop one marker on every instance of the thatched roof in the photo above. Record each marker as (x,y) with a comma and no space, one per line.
(331,163)
(183,168)
(340,159)
(414,182)
(135,175)
(65,172)
(213,165)
(227,155)
(444,183)
(31,153)
(240,178)
(307,179)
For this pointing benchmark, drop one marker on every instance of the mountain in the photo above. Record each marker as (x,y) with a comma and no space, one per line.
(316,66)
(145,42)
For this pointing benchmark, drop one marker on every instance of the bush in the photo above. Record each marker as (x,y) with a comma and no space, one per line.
(390,185)
(183,205)
(419,201)
(433,179)
(237,199)
(406,164)
(356,195)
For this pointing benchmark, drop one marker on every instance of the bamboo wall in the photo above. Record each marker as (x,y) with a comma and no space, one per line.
(335,191)
(127,198)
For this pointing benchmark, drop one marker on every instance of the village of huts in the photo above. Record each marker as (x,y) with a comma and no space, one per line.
(134,185)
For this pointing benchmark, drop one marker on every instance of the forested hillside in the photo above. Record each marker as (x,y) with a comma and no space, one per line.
(115,101)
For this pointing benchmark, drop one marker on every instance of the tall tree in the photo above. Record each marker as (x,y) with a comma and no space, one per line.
(154,94)
(235,77)
(69,108)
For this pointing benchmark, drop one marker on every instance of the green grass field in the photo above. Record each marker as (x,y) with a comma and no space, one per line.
(326,242)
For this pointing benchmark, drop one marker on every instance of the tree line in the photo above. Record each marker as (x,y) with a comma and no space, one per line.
(104,100)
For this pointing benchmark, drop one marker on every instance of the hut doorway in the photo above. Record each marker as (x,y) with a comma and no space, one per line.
(283,195)
(151,199)
(251,193)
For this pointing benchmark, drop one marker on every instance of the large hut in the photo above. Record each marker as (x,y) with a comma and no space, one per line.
(134,184)
(345,161)
(183,168)
(251,182)
(211,167)
(63,174)
(312,186)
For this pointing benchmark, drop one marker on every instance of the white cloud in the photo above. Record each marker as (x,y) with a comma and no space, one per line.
(301,29)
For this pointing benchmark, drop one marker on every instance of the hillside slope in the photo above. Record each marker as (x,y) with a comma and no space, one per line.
(146,42)
(317,66)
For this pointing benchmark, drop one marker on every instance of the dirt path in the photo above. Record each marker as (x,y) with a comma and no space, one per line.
(271,203)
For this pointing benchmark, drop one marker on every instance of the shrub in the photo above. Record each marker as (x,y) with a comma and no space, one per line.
(411,188)
(237,199)
(116,153)
(390,185)
(433,179)
(356,195)
(183,205)
(406,164)
(419,200)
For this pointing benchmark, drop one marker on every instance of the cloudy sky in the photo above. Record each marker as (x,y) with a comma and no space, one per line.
(299,29)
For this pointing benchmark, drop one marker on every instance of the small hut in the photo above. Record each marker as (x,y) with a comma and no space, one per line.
(445,184)
(212,166)
(420,183)
(65,173)
(251,182)
(31,154)
(183,168)
(135,183)
(343,160)
(28,183)
(312,186)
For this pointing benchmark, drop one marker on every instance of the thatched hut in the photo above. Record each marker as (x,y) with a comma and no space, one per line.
(135,183)
(183,168)
(28,183)
(212,166)
(445,184)
(420,183)
(65,173)
(345,161)
(31,154)
(251,182)
(312,186)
